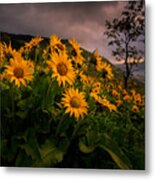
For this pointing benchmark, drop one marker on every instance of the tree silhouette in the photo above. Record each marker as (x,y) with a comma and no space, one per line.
(124,34)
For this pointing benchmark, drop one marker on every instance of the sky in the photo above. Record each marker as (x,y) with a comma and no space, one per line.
(83,21)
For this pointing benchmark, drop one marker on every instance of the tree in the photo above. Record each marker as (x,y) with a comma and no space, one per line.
(125,33)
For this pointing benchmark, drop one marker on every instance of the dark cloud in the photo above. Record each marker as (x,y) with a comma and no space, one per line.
(83,21)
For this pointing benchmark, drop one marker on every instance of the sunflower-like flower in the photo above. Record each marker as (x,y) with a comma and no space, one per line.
(124,92)
(3,76)
(133,92)
(112,107)
(96,87)
(76,52)
(142,102)
(127,98)
(106,70)
(104,102)
(135,108)
(8,51)
(120,86)
(34,42)
(95,61)
(96,97)
(75,103)
(19,71)
(95,90)
(137,98)
(1,53)
(56,45)
(82,77)
(118,102)
(115,93)
(62,68)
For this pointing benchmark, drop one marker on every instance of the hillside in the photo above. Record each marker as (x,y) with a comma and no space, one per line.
(18,40)
(138,71)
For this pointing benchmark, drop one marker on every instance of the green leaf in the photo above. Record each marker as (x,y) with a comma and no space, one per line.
(31,151)
(85,149)
(30,146)
(115,152)
(89,142)
(50,155)
(22,114)
(22,103)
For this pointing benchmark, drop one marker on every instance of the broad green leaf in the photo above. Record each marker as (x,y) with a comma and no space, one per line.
(50,155)
(31,151)
(116,154)
(85,149)
(30,146)
(22,114)
(88,143)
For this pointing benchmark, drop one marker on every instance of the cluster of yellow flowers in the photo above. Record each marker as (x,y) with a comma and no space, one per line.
(67,66)
(34,42)
(133,98)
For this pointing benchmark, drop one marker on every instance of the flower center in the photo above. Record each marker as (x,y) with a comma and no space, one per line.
(75,102)
(62,69)
(96,90)
(18,72)
(135,109)
(60,46)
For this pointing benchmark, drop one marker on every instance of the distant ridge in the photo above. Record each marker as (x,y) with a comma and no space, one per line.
(17,40)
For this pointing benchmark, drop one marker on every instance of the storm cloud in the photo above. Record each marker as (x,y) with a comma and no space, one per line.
(84,21)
